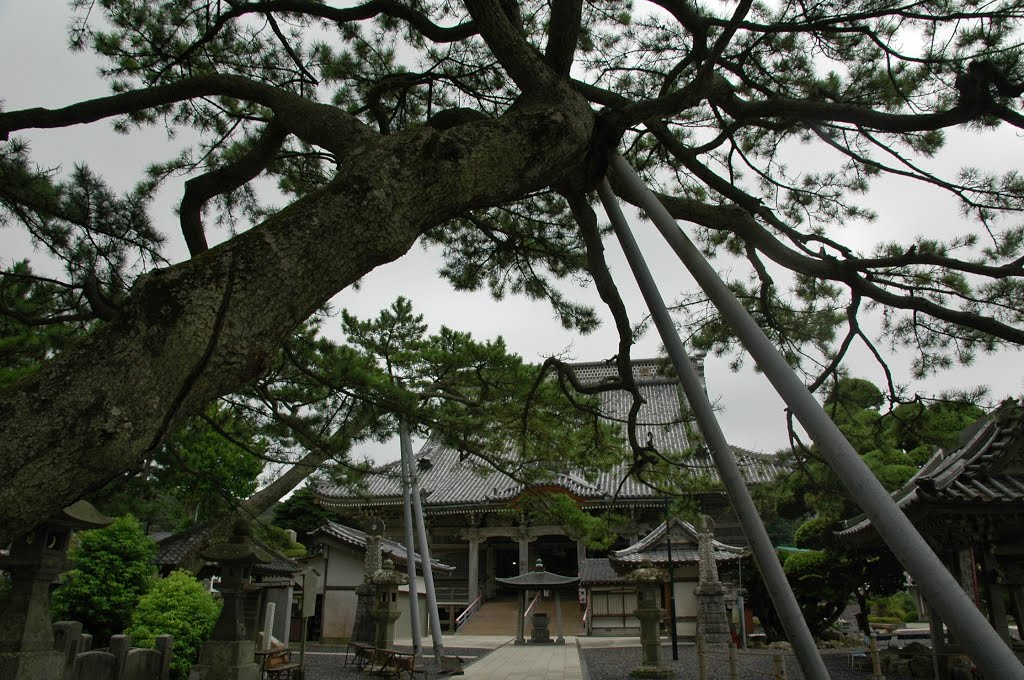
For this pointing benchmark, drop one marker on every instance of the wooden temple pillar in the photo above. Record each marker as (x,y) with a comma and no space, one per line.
(995,593)
(940,648)
(524,553)
(473,568)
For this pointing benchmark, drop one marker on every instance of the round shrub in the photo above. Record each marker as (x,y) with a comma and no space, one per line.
(113,569)
(180,606)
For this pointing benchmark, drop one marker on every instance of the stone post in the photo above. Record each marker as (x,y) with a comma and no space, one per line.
(385,611)
(229,654)
(362,624)
(712,619)
(35,560)
(649,581)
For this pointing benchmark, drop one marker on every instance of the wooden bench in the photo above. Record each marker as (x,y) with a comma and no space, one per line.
(359,654)
(396,664)
(278,664)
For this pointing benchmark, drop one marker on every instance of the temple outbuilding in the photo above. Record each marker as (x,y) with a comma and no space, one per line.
(968,504)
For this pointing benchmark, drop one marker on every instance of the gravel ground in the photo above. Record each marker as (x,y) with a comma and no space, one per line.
(616,663)
(328,663)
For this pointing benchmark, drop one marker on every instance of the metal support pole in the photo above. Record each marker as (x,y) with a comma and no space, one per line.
(671,588)
(984,645)
(734,673)
(410,549)
(436,633)
(767,560)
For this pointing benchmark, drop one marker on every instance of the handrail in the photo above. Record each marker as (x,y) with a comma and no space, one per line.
(533,603)
(470,610)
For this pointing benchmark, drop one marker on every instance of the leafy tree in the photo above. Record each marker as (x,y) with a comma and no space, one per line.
(113,569)
(177,605)
(208,465)
(300,513)
(481,128)
(893,444)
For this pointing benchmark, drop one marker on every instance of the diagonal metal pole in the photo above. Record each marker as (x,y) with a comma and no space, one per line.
(410,549)
(753,528)
(988,651)
(421,532)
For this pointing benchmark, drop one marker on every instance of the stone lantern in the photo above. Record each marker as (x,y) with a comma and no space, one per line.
(649,581)
(228,654)
(35,560)
(385,609)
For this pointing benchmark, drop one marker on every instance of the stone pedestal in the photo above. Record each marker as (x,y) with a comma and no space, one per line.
(31,665)
(363,625)
(541,631)
(226,660)
(385,611)
(712,618)
(229,654)
(649,580)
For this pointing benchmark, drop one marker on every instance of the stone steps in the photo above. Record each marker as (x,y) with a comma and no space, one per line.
(498,617)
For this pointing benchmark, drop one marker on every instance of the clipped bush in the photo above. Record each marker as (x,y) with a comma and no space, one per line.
(113,569)
(178,605)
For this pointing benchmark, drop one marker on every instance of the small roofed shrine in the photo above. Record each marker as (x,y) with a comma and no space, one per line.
(968,504)
(539,580)
(673,546)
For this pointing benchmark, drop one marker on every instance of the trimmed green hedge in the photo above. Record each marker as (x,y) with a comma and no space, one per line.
(180,606)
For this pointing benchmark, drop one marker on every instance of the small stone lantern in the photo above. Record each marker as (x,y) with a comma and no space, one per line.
(228,654)
(385,610)
(35,560)
(649,580)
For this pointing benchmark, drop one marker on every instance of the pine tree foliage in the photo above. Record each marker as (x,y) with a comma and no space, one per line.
(482,127)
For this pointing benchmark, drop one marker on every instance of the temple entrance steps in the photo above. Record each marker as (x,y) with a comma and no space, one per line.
(495,617)
(498,617)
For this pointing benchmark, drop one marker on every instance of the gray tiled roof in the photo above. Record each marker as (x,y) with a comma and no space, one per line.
(452,482)
(598,571)
(173,549)
(984,474)
(357,539)
(654,547)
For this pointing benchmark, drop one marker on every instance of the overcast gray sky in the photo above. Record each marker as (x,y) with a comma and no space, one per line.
(39,71)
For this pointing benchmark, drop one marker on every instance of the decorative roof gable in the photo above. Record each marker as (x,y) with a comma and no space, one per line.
(357,539)
(984,475)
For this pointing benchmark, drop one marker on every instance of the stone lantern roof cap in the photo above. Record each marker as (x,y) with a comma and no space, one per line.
(239,549)
(539,579)
(82,515)
(387,575)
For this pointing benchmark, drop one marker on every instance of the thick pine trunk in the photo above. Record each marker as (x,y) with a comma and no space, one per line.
(205,327)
